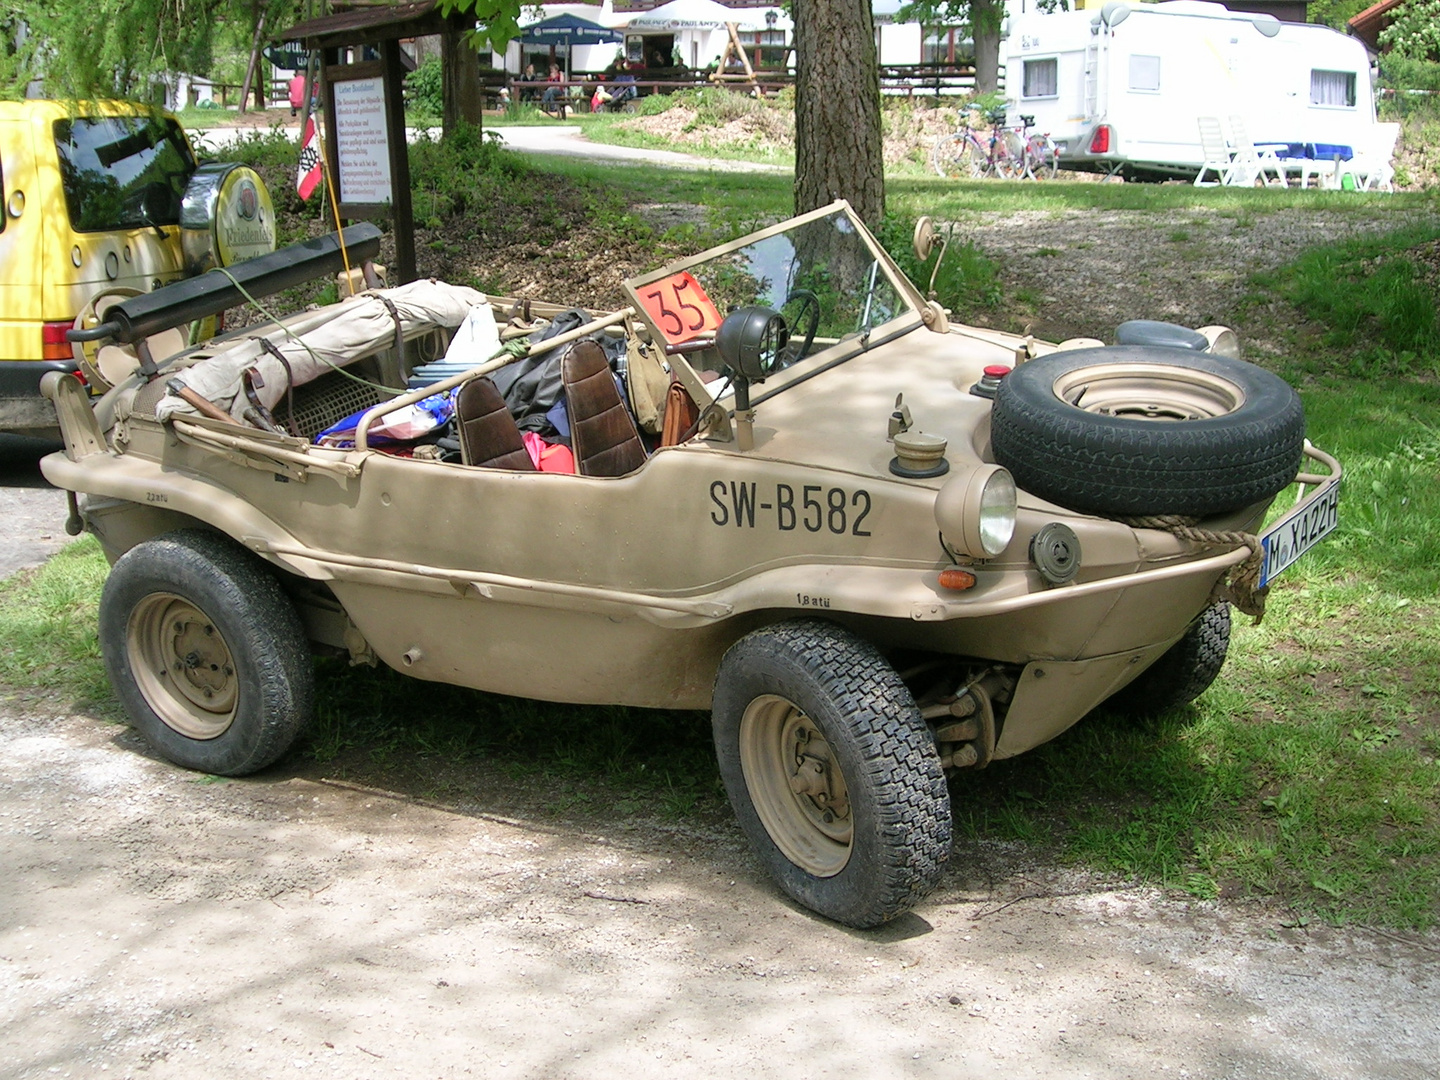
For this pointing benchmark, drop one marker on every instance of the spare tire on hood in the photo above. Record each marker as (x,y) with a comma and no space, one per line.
(1146,430)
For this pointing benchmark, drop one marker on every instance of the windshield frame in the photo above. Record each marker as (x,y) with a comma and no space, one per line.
(821,360)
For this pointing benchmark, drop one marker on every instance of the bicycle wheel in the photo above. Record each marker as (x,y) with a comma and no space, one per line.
(1042,158)
(950,157)
(1008,156)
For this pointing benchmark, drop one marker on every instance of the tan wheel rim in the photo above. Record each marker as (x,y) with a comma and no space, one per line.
(1149,392)
(182,665)
(796,786)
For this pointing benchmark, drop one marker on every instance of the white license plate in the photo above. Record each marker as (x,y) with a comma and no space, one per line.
(1300,530)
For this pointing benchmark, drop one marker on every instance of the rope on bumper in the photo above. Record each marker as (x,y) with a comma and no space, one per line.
(1241,585)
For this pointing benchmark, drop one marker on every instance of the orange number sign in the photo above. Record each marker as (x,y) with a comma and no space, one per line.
(679,308)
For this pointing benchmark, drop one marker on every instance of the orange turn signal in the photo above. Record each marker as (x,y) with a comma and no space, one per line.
(956,579)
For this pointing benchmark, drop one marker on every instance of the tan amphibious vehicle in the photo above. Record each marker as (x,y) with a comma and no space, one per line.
(779,485)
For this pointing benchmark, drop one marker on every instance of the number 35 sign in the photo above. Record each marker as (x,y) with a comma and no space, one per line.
(679,308)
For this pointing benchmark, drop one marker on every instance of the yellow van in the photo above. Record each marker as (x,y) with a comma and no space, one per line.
(101,198)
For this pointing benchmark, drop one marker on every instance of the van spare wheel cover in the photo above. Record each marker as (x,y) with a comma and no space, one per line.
(1132,430)
(226,217)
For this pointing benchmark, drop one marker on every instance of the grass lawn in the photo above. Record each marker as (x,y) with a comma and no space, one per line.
(1307,774)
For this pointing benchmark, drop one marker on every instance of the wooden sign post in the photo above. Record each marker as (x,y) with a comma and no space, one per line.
(367,159)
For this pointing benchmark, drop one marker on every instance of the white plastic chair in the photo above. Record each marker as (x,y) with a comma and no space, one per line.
(1370,167)
(1216,152)
(1251,164)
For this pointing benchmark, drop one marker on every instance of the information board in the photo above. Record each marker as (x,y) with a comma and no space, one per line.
(363,150)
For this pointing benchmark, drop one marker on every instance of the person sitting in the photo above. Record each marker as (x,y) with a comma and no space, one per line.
(553,97)
(528,76)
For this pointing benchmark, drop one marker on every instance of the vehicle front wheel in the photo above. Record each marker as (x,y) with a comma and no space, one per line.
(831,770)
(206,653)
(1184,671)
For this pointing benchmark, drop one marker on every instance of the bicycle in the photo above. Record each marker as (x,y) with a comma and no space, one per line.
(1040,157)
(964,154)
(1010,153)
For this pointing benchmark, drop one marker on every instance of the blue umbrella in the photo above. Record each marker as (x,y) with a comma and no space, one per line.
(568,30)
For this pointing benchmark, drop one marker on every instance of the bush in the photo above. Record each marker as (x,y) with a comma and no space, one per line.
(968,280)
(1410,88)
(425,90)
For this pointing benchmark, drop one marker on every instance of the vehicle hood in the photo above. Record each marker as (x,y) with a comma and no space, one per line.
(838,418)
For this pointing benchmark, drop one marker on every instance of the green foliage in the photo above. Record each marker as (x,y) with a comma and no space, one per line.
(110,48)
(1376,297)
(1414,30)
(960,13)
(1407,73)
(499,20)
(47,621)
(273,147)
(967,283)
(1336,13)
(424,91)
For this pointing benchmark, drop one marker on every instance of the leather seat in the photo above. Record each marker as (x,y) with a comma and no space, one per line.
(488,435)
(602,433)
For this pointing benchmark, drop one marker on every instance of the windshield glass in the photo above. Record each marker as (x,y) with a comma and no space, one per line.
(122,172)
(822,276)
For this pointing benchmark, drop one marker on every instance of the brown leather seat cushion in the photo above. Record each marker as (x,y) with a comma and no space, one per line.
(488,435)
(602,433)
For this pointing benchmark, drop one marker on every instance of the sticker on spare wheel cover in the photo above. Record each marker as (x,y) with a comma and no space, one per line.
(679,308)
(1300,530)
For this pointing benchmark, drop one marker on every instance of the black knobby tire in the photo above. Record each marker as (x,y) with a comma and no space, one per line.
(1184,671)
(888,848)
(1186,433)
(206,653)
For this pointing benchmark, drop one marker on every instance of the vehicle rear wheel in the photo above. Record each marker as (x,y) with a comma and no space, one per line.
(1185,670)
(1133,430)
(832,772)
(206,653)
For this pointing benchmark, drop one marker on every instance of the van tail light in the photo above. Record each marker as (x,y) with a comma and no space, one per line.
(53,345)
(1100,141)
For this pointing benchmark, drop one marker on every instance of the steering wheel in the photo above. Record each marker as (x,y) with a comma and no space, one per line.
(804,323)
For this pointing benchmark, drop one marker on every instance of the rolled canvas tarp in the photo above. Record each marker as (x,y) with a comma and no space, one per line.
(363,326)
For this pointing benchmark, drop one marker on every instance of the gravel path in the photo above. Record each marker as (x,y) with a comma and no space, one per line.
(32,513)
(170,927)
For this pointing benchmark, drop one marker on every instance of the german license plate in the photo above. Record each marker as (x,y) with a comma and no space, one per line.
(1300,530)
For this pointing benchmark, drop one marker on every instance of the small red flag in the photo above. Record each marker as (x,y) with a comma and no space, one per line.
(308,177)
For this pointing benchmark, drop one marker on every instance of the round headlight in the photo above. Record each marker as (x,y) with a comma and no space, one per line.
(996,517)
(976,511)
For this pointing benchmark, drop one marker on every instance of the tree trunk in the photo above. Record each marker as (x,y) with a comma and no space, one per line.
(837,108)
(986,16)
(464,101)
(252,69)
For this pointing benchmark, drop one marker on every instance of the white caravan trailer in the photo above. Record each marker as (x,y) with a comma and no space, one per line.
(1119,89)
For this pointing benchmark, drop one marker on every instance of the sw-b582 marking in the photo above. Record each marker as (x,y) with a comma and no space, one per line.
(811,507)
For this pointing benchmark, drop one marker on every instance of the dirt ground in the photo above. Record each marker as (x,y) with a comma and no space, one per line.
(156,924)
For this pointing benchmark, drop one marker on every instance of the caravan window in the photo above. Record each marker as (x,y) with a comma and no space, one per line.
(1041,79)
(1332,88)
(1145,73)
